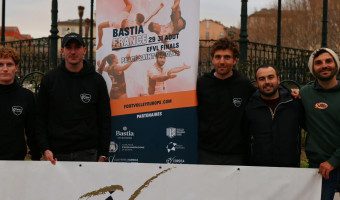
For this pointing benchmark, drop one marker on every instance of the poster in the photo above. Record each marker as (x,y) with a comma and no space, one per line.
(140,181)
(147,52)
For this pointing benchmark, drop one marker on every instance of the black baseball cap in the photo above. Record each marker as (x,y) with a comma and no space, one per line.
(72,36)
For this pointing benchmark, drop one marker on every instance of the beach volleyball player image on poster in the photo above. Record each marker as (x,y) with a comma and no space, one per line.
(147,52)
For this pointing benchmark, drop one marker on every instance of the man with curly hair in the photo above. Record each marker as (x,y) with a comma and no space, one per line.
(222,96)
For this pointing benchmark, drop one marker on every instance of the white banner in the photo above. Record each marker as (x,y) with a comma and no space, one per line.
(127,181)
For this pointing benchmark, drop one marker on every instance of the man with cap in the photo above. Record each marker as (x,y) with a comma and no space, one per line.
(74,118)
(321,99)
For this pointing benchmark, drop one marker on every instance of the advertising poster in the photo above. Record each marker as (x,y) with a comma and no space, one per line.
(147,52)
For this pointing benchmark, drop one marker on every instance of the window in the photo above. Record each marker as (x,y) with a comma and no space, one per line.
(207,36)
(64,31)
(221,35)
(208,24)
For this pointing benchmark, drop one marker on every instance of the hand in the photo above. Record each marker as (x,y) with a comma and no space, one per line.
(186,66)
(101,159)
(128,56)
(176,51)
(296,94)
(324,169)
(136,58)
(49,157)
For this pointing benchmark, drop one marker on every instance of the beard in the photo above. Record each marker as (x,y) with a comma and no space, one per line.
(326,78)
(269,94)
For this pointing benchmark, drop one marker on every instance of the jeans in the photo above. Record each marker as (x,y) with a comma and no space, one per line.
(330,186)
(84,155)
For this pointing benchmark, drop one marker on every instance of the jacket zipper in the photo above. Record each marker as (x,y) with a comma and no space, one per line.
(273,113)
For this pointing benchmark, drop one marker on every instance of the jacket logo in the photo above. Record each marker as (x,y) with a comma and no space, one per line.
(237,102)
(85,97)
(321,106)
(17,110)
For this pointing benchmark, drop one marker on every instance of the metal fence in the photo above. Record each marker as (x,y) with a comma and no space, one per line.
(35,54)
(291,63)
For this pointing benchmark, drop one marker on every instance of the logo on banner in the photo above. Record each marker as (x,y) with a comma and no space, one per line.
(17,110)
(86,98)
(125,133)
(113,147)
(173,132)
(108,191)
(173,147)
(237,102)
(174,160)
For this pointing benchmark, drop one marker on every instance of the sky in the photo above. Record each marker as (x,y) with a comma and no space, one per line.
(34,16)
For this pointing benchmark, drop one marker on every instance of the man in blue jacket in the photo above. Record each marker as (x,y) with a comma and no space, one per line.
(74,116)
(273,122)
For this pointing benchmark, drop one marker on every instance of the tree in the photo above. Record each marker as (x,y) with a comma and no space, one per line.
(301,24)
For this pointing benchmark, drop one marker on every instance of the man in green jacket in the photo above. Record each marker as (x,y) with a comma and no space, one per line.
(321,100)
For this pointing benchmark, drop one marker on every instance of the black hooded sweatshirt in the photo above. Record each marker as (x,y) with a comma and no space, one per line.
(17,118)
(221,106)
(74,111)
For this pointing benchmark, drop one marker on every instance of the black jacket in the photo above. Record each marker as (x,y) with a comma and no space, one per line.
(17,118)
(274,135)
(221,106)
(74,111)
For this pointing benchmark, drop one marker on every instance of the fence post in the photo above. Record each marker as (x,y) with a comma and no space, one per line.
(243,35)
(278,39)
(53,38)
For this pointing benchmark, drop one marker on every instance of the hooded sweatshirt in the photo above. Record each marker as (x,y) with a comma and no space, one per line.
(74,111)
(221,106)
(323,123)
(17,118)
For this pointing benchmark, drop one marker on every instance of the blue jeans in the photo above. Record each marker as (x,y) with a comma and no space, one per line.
(330,186)
(87,155)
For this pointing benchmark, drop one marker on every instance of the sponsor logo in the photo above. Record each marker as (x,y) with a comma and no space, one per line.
(125,133)
(237,102)
(174,160)
(17,110)
(107,191)
(321,106)
(113,147)
(172,132)
(173,147)
(86,98)
(131,147)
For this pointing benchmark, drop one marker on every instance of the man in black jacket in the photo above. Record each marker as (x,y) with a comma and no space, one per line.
(74,116)
(273,121)
(17,112)
(221,97)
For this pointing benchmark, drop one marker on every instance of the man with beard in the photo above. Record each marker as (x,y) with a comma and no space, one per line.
(221,96)
(321,99)
(273,120)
